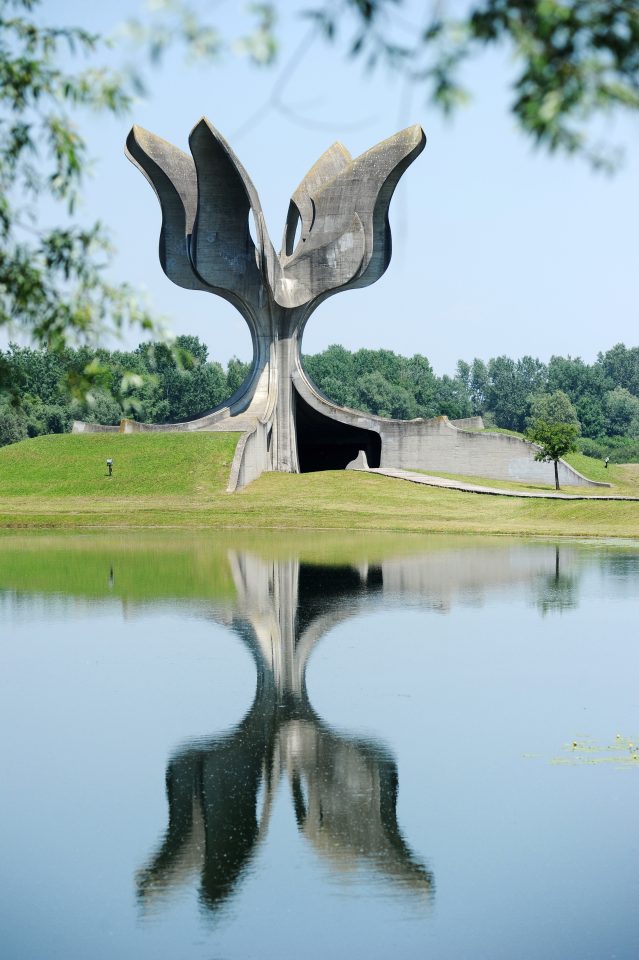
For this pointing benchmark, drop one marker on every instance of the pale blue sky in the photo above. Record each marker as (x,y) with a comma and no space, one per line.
(498,248)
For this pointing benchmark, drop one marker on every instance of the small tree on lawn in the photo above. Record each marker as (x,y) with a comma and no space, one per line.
(555,440)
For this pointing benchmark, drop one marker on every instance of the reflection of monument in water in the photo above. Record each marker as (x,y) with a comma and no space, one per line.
(344,789)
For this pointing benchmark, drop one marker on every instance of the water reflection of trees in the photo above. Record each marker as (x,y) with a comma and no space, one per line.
(343,788)
(557,591)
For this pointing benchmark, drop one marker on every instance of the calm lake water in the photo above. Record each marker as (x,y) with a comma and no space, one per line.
(246,747)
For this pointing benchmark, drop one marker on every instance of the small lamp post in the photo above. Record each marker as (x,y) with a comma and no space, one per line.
(110,466)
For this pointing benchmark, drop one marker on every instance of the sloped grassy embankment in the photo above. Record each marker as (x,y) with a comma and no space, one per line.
(179,480)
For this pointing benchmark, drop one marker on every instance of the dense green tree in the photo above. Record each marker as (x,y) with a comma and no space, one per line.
(335,364)
(452,398)
(479,383)
(42,417)
(419,378)
(622,413)
(503,398)
(386,362)
(236,373)
(36,372)
(192,352)
(586,385)
(510,385)
(337,391)
(621,367)
(13,425)
(197,391)
(506,391)
(552,408)
(184,384)
(462,374)
(384,398)
(162,385)
(165,385)
(100,407)
(379,381)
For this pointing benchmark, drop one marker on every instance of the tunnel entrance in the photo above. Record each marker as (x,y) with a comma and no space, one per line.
(326,444)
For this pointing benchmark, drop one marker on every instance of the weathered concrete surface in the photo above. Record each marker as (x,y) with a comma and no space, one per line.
(468,423)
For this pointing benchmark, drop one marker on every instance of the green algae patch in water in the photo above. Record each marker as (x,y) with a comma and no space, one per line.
(623,751)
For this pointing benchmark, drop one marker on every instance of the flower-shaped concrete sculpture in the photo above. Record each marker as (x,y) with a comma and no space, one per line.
(344,241)
(206,243)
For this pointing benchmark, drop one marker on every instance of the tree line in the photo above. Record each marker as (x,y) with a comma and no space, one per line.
(156,384)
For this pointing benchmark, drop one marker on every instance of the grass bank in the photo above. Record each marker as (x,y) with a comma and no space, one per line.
(179,480)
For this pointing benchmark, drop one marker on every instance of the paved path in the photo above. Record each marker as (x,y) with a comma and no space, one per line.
(490,491)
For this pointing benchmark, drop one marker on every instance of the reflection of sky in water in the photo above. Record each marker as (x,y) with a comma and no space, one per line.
(459,671)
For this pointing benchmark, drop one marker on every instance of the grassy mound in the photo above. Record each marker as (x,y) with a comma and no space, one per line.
(144,464)
(179,480)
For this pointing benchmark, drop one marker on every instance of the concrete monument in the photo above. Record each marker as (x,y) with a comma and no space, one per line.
(336,237)
(343,241)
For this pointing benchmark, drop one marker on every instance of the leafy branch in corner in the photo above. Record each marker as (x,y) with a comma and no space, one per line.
(573,60)
(53,287)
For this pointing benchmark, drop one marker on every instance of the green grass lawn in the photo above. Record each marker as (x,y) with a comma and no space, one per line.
(619,475)
(179,480)
(144,463)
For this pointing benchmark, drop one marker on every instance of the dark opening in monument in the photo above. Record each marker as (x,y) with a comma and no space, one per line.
(327,444)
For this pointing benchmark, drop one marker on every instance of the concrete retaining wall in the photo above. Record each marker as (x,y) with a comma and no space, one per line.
(79,426)
(251,457)
(438,446)
(468,423)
